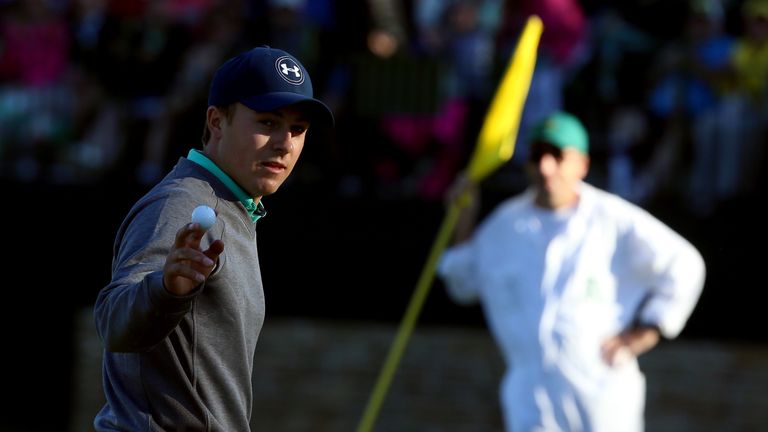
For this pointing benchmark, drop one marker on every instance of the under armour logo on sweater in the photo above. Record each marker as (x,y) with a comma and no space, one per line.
(289,70)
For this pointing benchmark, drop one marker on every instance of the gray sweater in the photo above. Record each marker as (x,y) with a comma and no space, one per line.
(180,363)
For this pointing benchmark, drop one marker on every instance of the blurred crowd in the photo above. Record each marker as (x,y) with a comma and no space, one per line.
(673,92)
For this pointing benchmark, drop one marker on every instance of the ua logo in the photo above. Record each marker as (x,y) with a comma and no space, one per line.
(289,70)
(286,69)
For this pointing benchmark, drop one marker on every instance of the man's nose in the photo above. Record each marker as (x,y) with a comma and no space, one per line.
(282,141)
(547,164)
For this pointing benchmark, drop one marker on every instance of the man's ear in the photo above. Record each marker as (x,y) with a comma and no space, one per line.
(214,119)
(586,167)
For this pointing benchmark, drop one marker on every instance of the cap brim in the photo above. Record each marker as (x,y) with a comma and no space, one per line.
(319,112)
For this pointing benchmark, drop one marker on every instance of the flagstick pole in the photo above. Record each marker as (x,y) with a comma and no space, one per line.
(409,320)
(495,146)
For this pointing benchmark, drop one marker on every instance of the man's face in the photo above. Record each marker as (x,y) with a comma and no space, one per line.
(555,174)
(257,149)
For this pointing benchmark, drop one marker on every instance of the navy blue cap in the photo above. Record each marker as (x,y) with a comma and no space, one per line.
(266,79)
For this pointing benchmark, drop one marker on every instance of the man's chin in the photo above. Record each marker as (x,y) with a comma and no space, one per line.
(269,187)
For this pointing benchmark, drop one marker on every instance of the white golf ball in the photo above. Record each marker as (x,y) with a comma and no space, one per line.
(204,216)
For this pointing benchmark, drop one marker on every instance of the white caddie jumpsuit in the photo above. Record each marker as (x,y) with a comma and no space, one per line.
(555,285)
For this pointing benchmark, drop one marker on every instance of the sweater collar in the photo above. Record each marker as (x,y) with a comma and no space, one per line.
(255,210)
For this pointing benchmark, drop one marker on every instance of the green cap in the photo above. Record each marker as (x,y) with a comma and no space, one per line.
(562,130)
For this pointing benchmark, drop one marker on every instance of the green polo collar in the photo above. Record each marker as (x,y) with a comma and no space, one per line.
(255,211)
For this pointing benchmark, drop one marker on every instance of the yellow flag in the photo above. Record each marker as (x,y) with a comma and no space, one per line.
(496,141)
(494,147)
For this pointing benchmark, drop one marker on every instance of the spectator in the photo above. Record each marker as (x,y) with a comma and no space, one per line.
(730,143)
(35,92)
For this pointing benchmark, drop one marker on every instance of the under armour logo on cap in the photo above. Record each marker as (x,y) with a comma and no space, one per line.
(289,70)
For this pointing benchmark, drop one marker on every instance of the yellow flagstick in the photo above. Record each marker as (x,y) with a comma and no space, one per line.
(494,147)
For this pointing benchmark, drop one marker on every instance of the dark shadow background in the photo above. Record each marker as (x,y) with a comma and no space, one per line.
(323,255)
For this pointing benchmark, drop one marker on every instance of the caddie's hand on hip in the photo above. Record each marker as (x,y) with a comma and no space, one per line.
(632,342)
